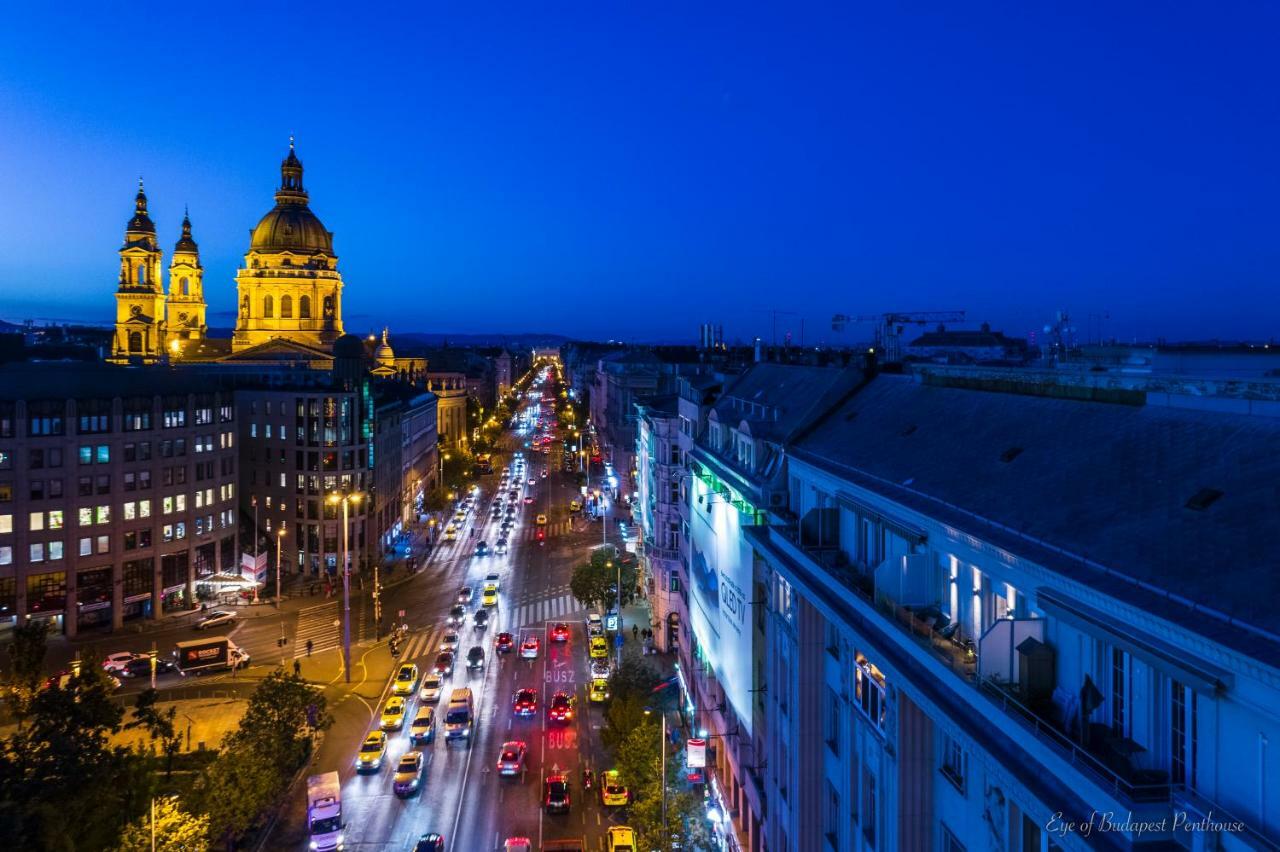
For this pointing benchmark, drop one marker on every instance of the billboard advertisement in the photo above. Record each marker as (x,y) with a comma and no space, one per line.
(721,579)
(697,751)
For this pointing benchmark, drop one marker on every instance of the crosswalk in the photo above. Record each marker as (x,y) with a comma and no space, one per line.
(530,531)
(548,609)
(317,624)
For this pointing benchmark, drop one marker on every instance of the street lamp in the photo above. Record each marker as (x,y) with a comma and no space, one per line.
(346,499)
(279,544)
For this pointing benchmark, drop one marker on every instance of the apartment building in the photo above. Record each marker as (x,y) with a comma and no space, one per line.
(1002,603)
(738,481)
(660,469)
(118,492)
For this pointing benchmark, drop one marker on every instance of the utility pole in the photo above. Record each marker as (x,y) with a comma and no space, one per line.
(255,548)
(377,606)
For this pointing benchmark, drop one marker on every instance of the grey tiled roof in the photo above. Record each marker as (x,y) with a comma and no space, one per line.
(1107,482)
(777,399)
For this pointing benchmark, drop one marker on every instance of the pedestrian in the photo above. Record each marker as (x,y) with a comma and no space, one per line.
(635,631)
(297,668)
(309,646)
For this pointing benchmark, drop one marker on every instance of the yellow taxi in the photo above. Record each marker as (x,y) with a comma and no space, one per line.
(372,751)
(599,648)
(598,691)
(574,506)
(612,792)
(489,597)
(406,680)
(450,533)
(621,839)
(541,520)
(393,714)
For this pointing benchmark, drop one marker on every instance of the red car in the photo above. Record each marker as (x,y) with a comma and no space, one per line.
(504,643)
(561,709)
(560,632)
(525,702)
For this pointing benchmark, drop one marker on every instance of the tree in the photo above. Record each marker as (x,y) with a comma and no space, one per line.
(234,792)
(276,724)
(62,763)
(26,665)
(623,715)
(634,677)
(175,830)
(258,759)
(596,582)
(159,724)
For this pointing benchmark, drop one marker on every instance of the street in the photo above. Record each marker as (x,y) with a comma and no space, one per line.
(462,796)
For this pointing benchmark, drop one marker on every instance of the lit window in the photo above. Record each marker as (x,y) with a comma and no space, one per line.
(144,508)
(55,550)
(104,454)
(86,546)
(6,555)
(104,544)
(55,519)
(86,516)
(130,511)
(102,515)
(6,524)
(37,552)
(36,521)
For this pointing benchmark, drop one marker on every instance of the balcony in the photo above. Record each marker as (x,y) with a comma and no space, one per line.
(1109,759)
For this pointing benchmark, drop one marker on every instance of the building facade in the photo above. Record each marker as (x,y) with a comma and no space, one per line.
(660,469)
(118,492)
(993,604)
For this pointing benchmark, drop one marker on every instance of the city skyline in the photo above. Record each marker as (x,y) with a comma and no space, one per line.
(810,166)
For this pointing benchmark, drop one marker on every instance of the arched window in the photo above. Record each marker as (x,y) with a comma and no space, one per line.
(286,307)
(183,288)
(142,274)
(135,341)
(267,307)
(304,307)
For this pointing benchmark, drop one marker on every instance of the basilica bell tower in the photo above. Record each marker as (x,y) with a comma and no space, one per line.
(185,309)
(140,310)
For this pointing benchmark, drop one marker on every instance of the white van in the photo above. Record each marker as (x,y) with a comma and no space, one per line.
(460,715)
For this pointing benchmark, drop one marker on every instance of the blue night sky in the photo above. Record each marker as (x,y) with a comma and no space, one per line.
(630,170)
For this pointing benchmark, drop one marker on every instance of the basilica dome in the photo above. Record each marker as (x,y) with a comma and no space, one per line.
(290,225)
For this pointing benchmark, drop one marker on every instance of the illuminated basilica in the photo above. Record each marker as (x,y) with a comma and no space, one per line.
(289,290)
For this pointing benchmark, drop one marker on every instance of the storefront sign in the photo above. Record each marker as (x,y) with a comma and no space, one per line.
(697,751)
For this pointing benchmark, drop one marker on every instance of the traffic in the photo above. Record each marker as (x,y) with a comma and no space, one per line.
(483,737)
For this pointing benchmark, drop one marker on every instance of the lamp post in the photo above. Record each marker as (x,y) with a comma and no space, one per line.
(662,747)
(255,548)
(346,500)
(279,545)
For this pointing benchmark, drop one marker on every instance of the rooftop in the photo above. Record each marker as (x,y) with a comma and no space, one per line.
(1181,500)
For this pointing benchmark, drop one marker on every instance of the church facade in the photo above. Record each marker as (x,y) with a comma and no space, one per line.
(289,290)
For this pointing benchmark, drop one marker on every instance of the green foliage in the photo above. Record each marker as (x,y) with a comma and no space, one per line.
(596,582)
(160,725)
(622,716)
(26,666)
(258,759)
(635,677)
(62,763)
(175,830)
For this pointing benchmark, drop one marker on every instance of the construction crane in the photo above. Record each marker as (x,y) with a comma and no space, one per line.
(889,328)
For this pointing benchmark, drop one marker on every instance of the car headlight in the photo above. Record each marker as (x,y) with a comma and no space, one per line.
(315,845)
